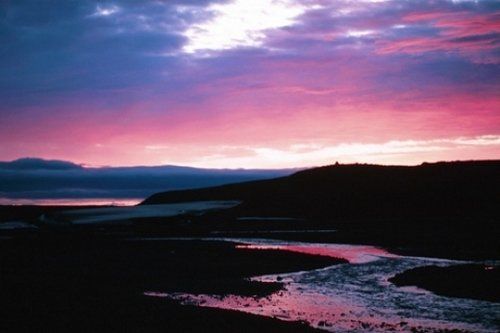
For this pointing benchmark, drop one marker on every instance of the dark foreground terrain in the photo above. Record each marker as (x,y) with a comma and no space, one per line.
(91,283)
(449,210)
(358,191)
(465,281)
(92,278)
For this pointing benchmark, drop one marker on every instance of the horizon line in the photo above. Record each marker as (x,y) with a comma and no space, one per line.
(297,168)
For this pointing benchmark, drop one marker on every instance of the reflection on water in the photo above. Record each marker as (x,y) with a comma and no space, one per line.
(73,202)
(356,255)
(356,297)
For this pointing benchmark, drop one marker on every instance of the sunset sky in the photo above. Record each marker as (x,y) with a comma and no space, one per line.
(250,83)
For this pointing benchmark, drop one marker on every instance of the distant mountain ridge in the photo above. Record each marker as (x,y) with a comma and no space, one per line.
(35,163)
(32,163)
(360,191)
(35,178)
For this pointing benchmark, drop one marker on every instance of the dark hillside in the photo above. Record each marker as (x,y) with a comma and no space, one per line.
(345,192)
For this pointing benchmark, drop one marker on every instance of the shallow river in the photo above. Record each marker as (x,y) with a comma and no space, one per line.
(355,297)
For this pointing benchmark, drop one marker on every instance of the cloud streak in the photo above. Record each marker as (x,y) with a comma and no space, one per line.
(390,152)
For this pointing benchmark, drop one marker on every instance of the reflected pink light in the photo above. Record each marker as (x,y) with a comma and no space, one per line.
(72,202)
(291,304)
(325,309)
(356,255)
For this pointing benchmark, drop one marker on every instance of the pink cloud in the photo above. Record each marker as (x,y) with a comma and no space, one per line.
(465,33)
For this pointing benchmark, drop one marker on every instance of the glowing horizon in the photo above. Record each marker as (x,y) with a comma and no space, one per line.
(240,84)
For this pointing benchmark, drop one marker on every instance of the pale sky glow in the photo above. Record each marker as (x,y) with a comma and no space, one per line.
(307,155)
(241,24)
(105,11)
(360,33)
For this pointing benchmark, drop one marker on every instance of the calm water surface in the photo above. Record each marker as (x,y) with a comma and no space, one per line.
(355,297)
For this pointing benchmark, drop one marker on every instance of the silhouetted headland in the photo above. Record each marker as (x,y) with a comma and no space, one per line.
(447,209)
(62,274)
